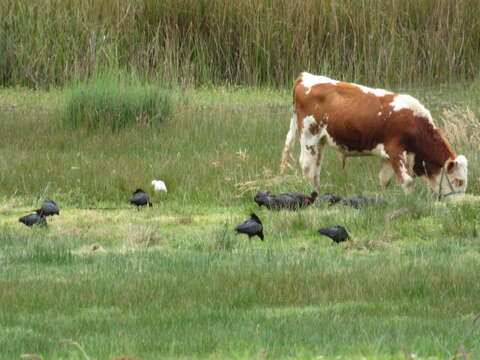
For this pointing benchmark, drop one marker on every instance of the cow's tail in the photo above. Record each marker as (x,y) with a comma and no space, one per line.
(289,142)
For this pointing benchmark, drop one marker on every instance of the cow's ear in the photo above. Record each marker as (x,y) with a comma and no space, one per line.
(451,164)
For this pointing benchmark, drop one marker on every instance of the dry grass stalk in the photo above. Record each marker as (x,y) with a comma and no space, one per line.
(31,356)
(461,126)
(77,345)
(462,353)
(255,185)
(385,237)
(141,236)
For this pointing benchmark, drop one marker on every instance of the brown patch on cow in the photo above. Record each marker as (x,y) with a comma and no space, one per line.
(450,166)
(314,128)
(344,84)
(311,149)
(430,147)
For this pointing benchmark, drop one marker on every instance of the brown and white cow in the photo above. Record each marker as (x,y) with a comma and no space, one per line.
(357,120)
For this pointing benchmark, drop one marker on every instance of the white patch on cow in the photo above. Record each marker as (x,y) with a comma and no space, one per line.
(408,159)
(456,182)
(379,151)
(309,138)
(309,80)
(311,150)
(462,161)
(289,142)
(406,178)
(403,101)
(291,132)
(376,92)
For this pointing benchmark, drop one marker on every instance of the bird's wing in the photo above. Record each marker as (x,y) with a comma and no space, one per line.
(254,227)
(249,226)
(240,228)
(327,232)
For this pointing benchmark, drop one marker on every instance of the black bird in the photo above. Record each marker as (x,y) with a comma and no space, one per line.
(33,219)
(49,207)
(285,201)
(330,198)
(265,197)
(251,227)
(336,233)
(294,201)
(140,198)
(302,200)
(289,201)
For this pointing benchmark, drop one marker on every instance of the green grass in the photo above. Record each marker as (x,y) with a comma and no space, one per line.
(324,301)
(173,281)
(111,102)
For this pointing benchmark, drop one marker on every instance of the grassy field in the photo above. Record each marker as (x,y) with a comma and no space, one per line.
(173,281)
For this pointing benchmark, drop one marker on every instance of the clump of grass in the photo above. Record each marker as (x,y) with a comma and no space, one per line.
(43,253)
(223,240)
(142,237)
(111,103)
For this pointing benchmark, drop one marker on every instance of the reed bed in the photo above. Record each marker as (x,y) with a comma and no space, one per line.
(200,42)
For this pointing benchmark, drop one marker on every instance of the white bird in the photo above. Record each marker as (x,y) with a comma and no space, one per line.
(159,185)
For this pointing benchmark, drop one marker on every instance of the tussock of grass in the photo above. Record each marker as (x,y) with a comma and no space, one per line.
(112,103)
(141,237)
(461,126)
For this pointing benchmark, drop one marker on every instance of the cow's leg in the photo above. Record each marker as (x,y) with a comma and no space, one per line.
(311,153)
(289,143)
(385,174)
(318,165)
(400,164)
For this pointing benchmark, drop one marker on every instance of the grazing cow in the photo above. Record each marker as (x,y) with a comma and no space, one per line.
(357,120)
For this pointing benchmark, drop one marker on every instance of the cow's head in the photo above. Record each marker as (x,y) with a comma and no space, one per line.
(451,181)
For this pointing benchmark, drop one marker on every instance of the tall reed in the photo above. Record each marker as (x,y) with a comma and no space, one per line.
(196,42)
